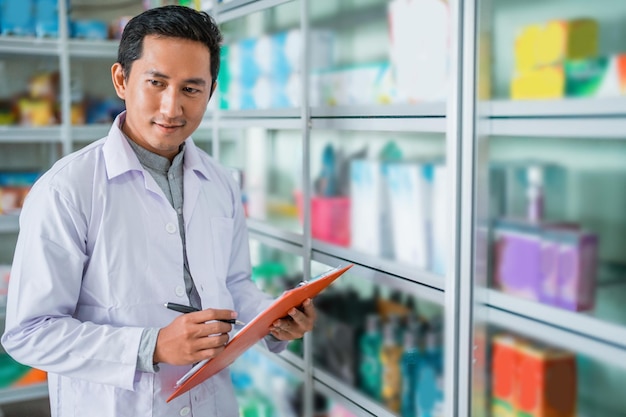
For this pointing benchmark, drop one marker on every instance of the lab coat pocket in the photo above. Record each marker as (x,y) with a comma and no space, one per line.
(100,400)
(222,235)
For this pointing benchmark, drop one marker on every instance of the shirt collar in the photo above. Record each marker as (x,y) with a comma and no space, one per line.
(120,158)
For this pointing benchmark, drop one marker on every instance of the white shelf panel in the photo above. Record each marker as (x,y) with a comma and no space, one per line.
(260,114)
(597,127)
(359,403)
(89,133)
(27,393)
(375,273)
(240,8)
(573,107)
(18,134)
(566,339)
(29,46)
(579,323)
(9,223)
(264,122)
(385,124)
(93,48)
(391,110)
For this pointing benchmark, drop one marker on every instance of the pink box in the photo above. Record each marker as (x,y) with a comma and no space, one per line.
(330,218)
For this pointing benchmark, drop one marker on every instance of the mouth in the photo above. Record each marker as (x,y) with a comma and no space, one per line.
(166,127)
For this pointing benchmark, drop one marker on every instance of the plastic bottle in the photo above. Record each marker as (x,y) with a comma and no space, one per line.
(429,380)
(535,194)
(409,364)
(370,367)
(390,356)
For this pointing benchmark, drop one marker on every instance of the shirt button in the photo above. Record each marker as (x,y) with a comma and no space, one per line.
(172,177)
(184,411)
(179,210)
(180,290)
(170,227)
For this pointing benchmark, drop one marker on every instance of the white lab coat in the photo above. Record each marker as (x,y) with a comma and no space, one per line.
(99,253)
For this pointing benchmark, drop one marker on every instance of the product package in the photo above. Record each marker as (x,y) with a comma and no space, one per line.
(532,380)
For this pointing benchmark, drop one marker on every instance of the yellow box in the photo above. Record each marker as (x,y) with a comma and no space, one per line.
(539,45)
(544,83)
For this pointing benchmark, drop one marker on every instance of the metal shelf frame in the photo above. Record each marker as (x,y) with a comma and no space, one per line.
(458,121)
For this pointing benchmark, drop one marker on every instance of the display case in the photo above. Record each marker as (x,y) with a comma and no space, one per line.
(466,155)
(548,213)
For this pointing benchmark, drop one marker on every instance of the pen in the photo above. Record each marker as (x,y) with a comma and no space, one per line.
(181,308)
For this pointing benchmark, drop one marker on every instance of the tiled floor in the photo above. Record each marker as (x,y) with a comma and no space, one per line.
(35,408)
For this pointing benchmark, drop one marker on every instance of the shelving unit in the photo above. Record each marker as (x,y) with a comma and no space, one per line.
(463,128)
(55,141)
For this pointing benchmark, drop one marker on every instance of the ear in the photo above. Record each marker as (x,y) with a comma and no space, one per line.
(119,81)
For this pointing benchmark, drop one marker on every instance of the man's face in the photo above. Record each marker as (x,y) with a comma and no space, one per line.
(166,93)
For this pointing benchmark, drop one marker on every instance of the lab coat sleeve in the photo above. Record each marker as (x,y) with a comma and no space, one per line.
(249,299)
(44,290)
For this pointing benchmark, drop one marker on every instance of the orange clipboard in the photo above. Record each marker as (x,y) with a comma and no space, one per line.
(259,327)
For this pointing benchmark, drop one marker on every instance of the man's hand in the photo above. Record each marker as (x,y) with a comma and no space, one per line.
(296,324)
(193,337)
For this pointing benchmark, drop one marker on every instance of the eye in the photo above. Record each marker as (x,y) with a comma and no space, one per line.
(191,90)
(155,83)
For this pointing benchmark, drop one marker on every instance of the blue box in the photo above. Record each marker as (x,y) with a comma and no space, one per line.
(17,17)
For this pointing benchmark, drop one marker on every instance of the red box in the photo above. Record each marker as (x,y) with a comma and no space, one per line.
(330,218)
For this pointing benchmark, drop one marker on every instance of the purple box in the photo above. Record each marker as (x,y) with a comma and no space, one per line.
(554,264)
(569,264)
(517,260)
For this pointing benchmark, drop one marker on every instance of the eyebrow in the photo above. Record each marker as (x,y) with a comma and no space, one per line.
(196,81)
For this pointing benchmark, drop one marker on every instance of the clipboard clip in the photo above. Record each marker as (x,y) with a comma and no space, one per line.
(302,283)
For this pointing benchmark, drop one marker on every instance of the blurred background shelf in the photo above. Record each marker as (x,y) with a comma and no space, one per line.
(572,128)
(89,133)
(380,267)
(18,134)
(9,223)
(572,107)
(93,48)
(353,398)
(26,393)
(29,46)
(388,110)
(594,328)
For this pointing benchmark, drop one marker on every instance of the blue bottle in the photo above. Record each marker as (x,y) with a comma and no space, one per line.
(370,368)
(409,366)
(429,380)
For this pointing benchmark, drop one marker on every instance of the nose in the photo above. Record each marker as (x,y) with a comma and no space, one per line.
(171,105)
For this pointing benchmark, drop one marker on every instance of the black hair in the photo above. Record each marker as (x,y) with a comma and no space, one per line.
(170,22)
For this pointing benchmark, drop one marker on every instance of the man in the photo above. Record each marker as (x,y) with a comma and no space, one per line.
(137,219)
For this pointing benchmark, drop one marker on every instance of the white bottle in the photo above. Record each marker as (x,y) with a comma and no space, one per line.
(535,193)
